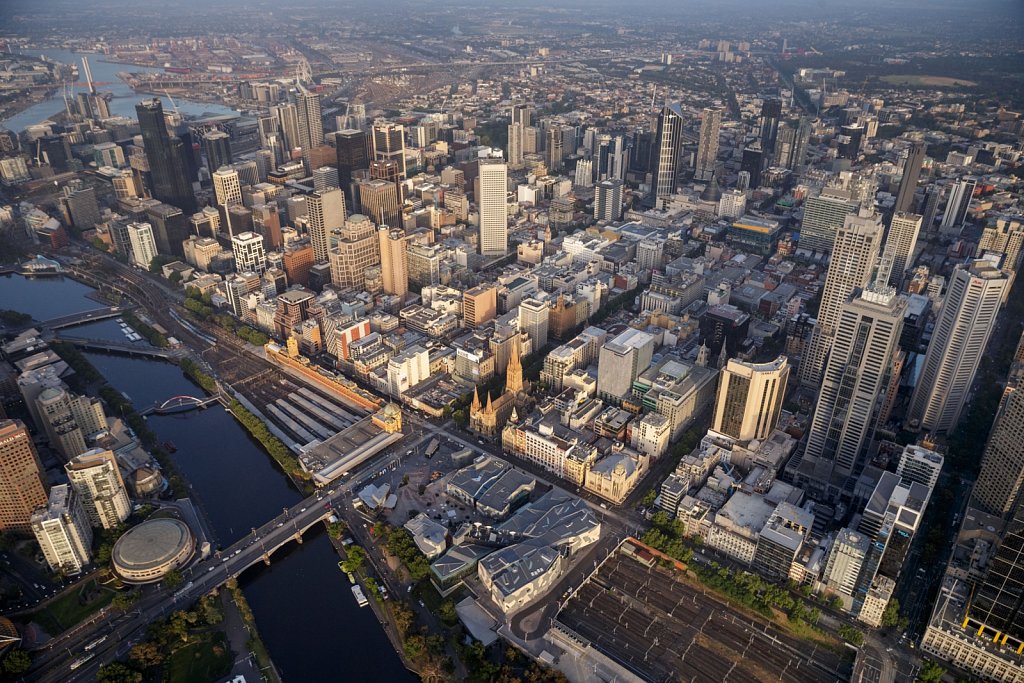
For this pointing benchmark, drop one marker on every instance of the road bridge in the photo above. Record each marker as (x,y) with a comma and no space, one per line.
(121,347)
(85,317)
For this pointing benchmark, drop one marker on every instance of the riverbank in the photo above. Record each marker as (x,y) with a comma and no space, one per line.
(256,646)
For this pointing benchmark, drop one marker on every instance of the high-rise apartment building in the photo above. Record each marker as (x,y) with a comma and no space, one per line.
(22,489)
(326,216)
(911,174)
(250,255)
(1004,236)
(965,324)
(311,128)
(493,204)
(394,266)
(288,126)
(59,423)
(166,154)
(389,144)
(515,145)
(143,244)
(854,254)
(860,363)
(63,532)
(533,320)
(96,479)
(900,244)
(750,397)
(667,144)
(707,145)
(608,200)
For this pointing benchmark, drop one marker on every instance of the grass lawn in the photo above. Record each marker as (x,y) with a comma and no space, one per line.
(69,609)
(206,659)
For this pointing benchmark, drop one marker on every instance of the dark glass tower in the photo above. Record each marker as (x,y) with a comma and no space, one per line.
(911,174)
(168,164)
(998,602)
(666,150)
(218,149)
(352,147)
(771,113)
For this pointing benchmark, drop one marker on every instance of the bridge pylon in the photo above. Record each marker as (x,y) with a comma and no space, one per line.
(298,537)
(266,559)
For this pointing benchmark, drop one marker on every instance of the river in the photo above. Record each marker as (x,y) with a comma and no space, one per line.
(303,606)
(123,103)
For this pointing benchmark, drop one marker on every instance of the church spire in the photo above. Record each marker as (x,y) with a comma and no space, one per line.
(703,355)
(514,372)
(475,408)
(723,357)
(490,405)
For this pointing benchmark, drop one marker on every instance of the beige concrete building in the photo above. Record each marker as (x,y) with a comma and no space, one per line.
(97,480)
(750,397)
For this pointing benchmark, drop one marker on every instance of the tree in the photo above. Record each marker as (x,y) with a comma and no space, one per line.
(447,612)
(146,654)
(356,557)
(930,672)
(891,615)
(648,499)
(173,579)
(16,662)
(125,600)
(851,635)
(337,529)
(116,672)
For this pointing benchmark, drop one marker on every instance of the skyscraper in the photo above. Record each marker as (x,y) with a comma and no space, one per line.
(533,320)
(353,155)
(96,479)
(310,124)
(389,144)
(608,200)
(1001,479)
(356,250)
(1004,235)
(707,146)
(379,200)
(394,266)
(169,168)
(59,423)
(326,215)
(288,125)
(911,174)
(750,397)
(515,145)
(957,205)
(824,215)
(866,341)
(227,189)
(63,532)
(620,361)
(853,256)
(217,145)
(21,478)
(996,609)
(965,323)
(493,204)
(900,244)
(250,255)
(143,245)
(668,142)
(771,114)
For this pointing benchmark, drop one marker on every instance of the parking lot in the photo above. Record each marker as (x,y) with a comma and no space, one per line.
(667,629)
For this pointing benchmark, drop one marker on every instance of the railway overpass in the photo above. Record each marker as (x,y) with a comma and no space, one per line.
(85,317)
(121,347)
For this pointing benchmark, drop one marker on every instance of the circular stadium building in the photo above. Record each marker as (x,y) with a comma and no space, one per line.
(148,551)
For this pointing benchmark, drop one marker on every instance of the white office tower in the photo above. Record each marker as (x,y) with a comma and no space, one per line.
(957,205)
(854,255)
(750,397)
(325,218)
(288,125)
(859,368)
(823,216)
(143,244)
(965,323)
(900,243)
(620,361)
(63,531)
(533,320)
(515,145)
(250,256)
(1003,236)
(96,479)
(707,146)
(493,203)
(921,465)
(608,200)
(733,204)
(845,560)
(1001,478)
(227,188)
(324,178)
(584,173)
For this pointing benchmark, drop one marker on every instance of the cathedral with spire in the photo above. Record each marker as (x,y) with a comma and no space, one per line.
(489,418)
